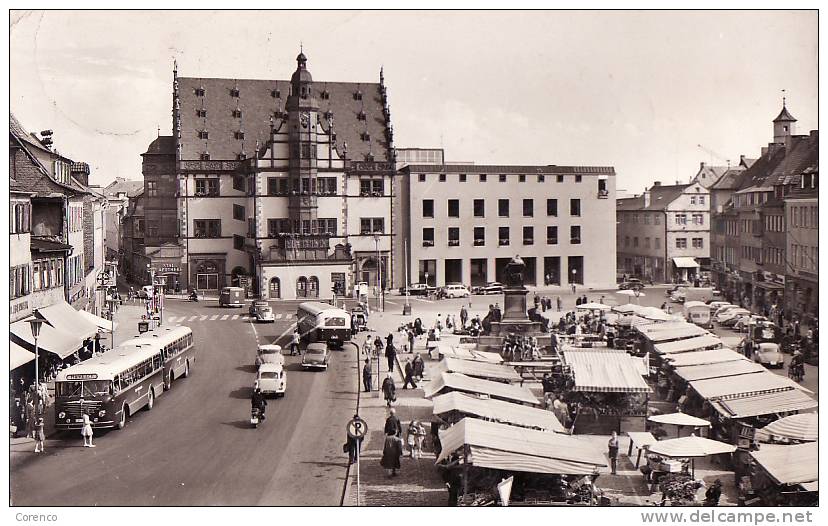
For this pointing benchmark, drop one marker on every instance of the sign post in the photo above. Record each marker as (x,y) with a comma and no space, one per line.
(357,428)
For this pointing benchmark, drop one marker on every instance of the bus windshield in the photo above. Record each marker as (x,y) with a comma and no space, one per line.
(88,388)
(335,322)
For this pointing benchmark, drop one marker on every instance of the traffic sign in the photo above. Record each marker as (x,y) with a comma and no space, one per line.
(357,428)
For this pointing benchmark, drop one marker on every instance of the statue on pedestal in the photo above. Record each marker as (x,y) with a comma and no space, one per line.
(513,272)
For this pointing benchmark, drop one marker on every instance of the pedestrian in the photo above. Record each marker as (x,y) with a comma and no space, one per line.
(464,317)
(713,494)
(352,447)
(30,416)
(584,299)
(409,375)
(410,340)
(392,424)
(39,435)
(86,432)
(391,355)
(391,453)
(438,323)
(497,315)
(389,340)
(418,367)
(411,438)
(367,345)
(559,303)
(366,375)
(378,346)
(294,342)
(612,445)
(389,390)
(577,301)
(573,288)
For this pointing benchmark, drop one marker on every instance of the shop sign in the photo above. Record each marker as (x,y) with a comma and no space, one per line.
(771,277)
(168,268)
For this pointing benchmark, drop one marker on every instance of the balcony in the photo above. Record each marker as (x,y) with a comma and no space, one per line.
(603,194)
(454,242)
(479,242)
(428,243)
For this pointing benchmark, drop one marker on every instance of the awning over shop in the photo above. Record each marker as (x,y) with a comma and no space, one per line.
(605,372)
(498,411)
(705,341)
(803,427)
(704,357)
(463,353)
(679,419)
(764,382)
(685,262)
(63,317)
(501,446)
(810,486)
(18,356)
(765,404)
(489,371)
(102,324)
(664,326)
(679,333)
(446,382)
(770,285)
(795,464)
(52,340)
(718,370)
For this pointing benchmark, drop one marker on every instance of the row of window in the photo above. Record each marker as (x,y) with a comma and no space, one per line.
(804,216)
(645,218)
(277,94)
(696,219)
(20,281)
(282,186)
(74,270)
(75,218)
(479,207)
(656,242)
(750,199)
(211,228)
(752,253)
(138,372)
(47,274)
(307,226)
(185,342)
(462,178)
(697,199)
(805,257)
(775,223)
(503,236)
(775,256)
(20,218)
(697,242)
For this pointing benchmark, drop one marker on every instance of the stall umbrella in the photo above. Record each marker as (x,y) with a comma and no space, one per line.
(679,420)
(690,447)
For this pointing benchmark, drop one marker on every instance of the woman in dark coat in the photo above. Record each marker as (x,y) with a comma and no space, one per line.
(391,453)
(389,390)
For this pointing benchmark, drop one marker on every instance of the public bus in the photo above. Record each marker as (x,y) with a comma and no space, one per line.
(322,322)
(178,348)
(109,387)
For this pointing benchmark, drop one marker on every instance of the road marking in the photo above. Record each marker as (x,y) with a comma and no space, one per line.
(214,317)
(235,317)
(391,302)
(192,318)
(203,318)
(288,316)
(285,333)
(278,316)
(225,317)
(421,299)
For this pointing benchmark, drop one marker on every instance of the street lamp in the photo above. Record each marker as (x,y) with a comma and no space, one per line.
(379,271)
(36,323)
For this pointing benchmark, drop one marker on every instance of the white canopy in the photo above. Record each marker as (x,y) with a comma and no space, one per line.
(630,292)
(593,306)
(679,419)
(468,354)
(689,447)
(103,325)
(497,410)
(460,382)
(803,427)
(18,356)
(795,464)
(486,370)
(704,341)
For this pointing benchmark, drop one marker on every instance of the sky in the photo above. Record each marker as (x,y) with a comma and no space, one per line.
(636,90)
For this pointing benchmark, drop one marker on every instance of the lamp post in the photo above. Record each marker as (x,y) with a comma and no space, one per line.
(112,319)
(379,271)
(36,323)
(407,306)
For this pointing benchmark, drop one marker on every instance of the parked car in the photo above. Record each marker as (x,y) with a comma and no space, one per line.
(316,356)
(768,354)
(269,354)
(731,316)
(724,308)
(493,287)
(631,284)
(231,297)
(271,379)
(714,305)
(264,315)
(456,291)
(146,292)
(257,305)
(417,289)
(745,322)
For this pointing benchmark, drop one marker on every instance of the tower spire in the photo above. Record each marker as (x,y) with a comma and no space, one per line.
(783,97)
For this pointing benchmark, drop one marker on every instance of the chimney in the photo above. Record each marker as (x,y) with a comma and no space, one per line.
(656,183)
(80,171)
(701,165)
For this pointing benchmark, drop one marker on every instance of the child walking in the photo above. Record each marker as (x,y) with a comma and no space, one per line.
(86,432)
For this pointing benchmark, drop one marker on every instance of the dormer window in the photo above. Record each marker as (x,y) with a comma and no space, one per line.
(234,92)
(239,135)
(325,95)
(202,134)
(201,113)
(205,156)
(357,95)
(237,113)
(361,115)
(199,92)
(276,94)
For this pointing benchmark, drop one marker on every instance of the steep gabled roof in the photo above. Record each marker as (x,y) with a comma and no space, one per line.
(802,153)
(784,116)
(630,203)
(728,180)
(127,186)
(162,145)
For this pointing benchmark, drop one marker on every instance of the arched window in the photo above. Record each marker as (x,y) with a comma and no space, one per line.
(302,287)
(275,288)
(313,287)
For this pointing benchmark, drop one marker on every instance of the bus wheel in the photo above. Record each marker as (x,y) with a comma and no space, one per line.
(122,421)
(151,400)
(187,369)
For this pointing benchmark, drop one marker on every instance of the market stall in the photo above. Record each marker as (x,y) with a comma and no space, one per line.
(784,475)
(803,427)
(703,342)
(680,421)
(464,352)
(608,391)
(475,369)
(454,406)
(548,468)
(447,382)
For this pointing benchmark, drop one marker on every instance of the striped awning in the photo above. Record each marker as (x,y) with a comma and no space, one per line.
(718,370)
(606,372)
(475,369)
(681,333)
(446,382)
(794,464)
(704,357)
(705,341)
(765,404)
(732,386)
(803,427)
(497,411)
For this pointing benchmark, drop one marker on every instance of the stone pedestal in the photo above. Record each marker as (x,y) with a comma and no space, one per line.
(515,320)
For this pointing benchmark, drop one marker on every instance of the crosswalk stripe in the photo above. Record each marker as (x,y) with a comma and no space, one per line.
(203,318)
(225,317)
(214,317)
(235,317)
(278,316)
(192,318)
(172,319)
(288,316)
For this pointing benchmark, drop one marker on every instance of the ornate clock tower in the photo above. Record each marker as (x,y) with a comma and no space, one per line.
(302,109)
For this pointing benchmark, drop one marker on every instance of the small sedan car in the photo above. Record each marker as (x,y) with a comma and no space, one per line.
(768,354)
(269,354)
(631,284)
(729,317)
(745,322)
(256,305)
(316,356)
(456,291)
(493,287)
(271,379)
(264,315)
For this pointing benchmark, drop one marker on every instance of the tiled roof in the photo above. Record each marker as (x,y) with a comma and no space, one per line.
(784,116)
(802,154)
(127,186)
(498,169)
(46,245)
(257,104)
(630,203)
(660,198)
(162,145)
(759,170)
(728,179)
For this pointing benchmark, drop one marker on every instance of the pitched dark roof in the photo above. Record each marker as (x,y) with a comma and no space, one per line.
(802,153)
(47,245)
(728,180)
(784,116)
(660,198)
(506,169)
(127,186)
(758,171)
(630,203)
(162,145)
(257,103)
